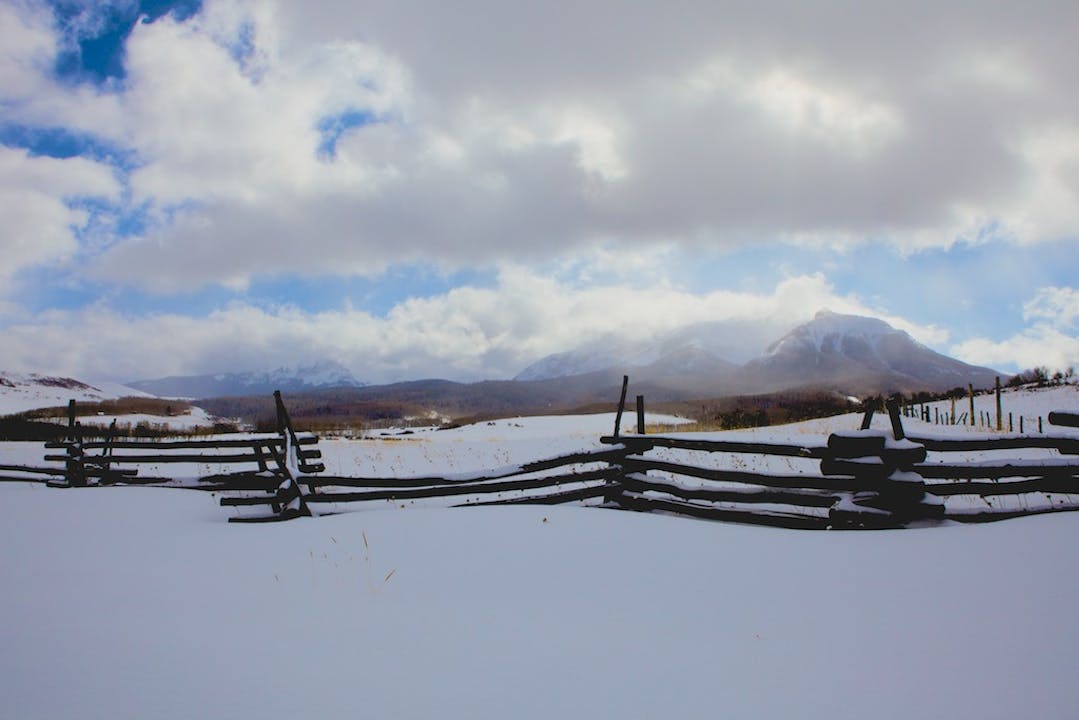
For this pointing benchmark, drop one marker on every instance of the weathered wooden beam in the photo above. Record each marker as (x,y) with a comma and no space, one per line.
(1064,419)
(1065,445)
(711,512)
(202,458)
(32,470)
(814,482)
(1044,484)
(149,444)
(557,498)
(581,458)
(986,471)
(897,422)
(867,418)
(621,407)
(859,444)
(643,444)
(806,498)
(407,493)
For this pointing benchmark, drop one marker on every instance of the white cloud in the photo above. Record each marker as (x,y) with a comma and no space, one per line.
(1037,346)
(28,48)
(833,114)
(39,223)
(537,138)
(247,137)
(466,333)
(30,94)
(533,133)
(1050,340)
(1059,306)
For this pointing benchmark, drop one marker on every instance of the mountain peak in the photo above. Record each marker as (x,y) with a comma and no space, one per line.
(829,330)
(863,352)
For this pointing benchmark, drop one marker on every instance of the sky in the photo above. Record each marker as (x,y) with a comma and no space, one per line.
(429,189)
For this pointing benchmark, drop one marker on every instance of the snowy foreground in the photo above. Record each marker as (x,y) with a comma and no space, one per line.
(145,603)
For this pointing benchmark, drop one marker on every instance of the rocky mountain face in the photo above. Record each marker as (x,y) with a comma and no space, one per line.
(321,375)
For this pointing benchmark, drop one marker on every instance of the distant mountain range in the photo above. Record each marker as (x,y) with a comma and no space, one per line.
(321,375)
(699,348)
(846,353)
(834,354)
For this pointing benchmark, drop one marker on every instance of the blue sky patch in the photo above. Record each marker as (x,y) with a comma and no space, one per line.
(95,34)
(63,288)
(961,288)
(332,127)
(58,142)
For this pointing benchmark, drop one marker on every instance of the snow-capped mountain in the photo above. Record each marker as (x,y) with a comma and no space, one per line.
(831,332)
(862,354)
(567,364)
(852,353)
(20,392)
(323,374)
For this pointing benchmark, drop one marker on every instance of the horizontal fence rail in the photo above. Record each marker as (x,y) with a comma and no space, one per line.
(858,479)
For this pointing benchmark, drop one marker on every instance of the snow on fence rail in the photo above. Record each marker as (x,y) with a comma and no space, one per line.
(574,477)
(864,479)
(268,462)
(861,479)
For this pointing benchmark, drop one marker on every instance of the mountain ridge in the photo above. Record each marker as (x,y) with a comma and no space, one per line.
(323,374)
(851,353)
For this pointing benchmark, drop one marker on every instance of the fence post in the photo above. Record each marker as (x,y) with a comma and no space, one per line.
(289,493)
(887,491)
(970,394)
(999,426)
(75,469)
(621,407)
(897,423)
(870,407)
(106,454)
(640,414)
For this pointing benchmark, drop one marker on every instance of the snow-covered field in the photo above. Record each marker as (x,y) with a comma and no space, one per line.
(1029,403)
(144,603)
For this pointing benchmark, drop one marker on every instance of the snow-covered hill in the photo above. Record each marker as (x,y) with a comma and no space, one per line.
(324,374)
(20,392)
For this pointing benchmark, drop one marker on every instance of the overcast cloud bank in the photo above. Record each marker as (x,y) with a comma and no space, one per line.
(244,141)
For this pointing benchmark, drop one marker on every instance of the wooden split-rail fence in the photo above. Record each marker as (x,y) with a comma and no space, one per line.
(867,478)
